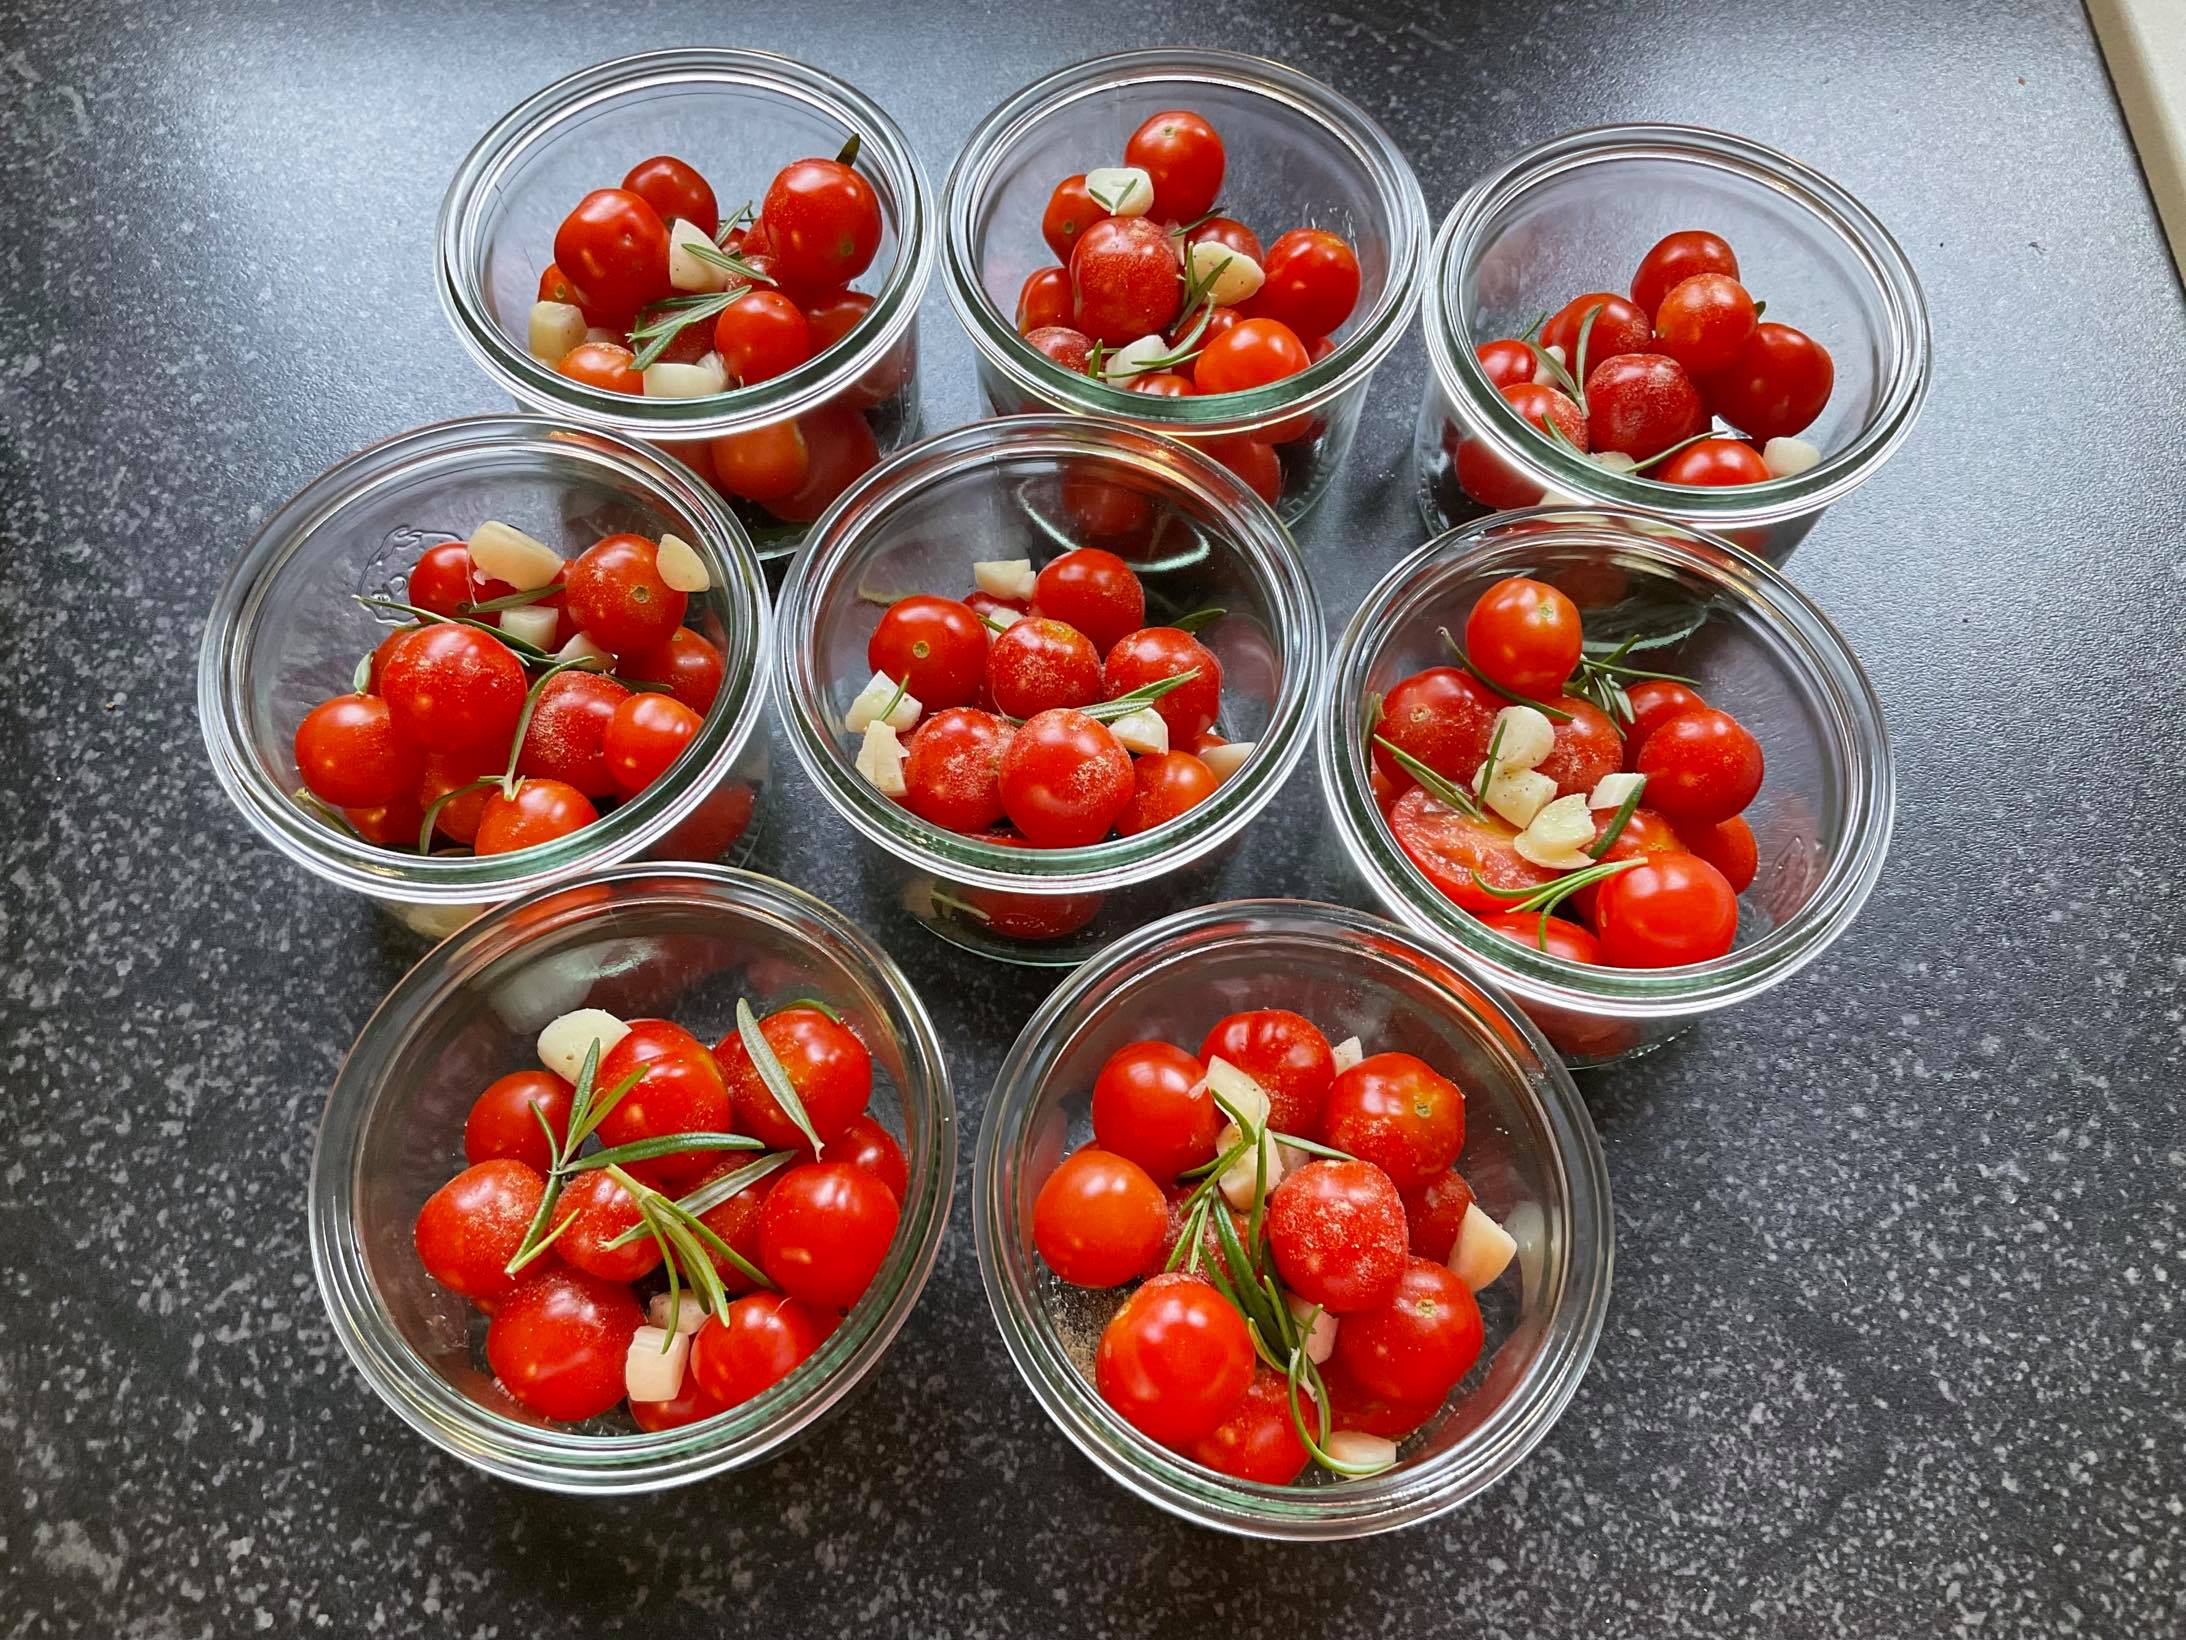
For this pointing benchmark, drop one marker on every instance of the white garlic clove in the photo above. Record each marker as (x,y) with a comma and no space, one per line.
(569,1037)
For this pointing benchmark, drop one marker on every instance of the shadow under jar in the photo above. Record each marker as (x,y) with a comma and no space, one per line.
(286,633)
(1036,487)
(1577,214)
(738,117)
(685,943)
(1754,646)
(1530,1154)
(1299,155)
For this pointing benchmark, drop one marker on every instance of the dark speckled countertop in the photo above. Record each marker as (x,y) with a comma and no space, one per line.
(1896,1346)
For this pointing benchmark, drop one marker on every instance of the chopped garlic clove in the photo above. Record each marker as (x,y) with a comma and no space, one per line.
(1483,1249)
(1135,359)
(880,760)
(687,270)
(1229,276)
(1001,618)
(689,1314)
(1350,1051)
(1612,789)
(556,327)
(685,381)
(531,623)
(1519,797)
(1557,837)
(1789,457)
(1142,731)
(651,1373)
(1121,190)
(569,1037)
(1320,1338)
(866,709)
(1541,372)
(502,553)
(680,565)
(1241,1179)
(1005,578)
(1243,1095)
(1527,739)
(1226,759)
(584,647)
(1359,1450)
(1551,859)
(1615,461)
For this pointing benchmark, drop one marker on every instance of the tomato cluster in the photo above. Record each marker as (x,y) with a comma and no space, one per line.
(1640,383)
(1153,290)
(1307,1255)
(1041,709)
(620,1181)
(503,717)
(1533,775)
(654,292)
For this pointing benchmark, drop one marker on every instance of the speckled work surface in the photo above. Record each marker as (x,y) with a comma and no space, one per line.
(1896,1342)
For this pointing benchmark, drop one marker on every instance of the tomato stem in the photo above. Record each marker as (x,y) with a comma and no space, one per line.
(1447,793)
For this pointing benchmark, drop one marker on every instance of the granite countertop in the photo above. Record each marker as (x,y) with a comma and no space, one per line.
(1896,1341)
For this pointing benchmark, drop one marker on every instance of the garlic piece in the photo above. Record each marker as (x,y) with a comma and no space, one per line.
(502,553)
(1001,618)
(651,1373)
(1527,739)
(687,270)
(686,381)
(1541,372)
(1483,1249)
(689,1315)
(584,647)
(531,623)
(1121,190)
(1229,276)
(1557,837)
(555,328)
(1350,1051)
(880,760)
(1241,1179)
(1226,759)
(1519,797)
(1788,457)
(1135,359)
(1005,578)
(1143,731)
(1359,1450)
(1320,1338)
(1612,789)
(866,710)
(569,1037)
(1615,461)
(1243,1095)
(680,565)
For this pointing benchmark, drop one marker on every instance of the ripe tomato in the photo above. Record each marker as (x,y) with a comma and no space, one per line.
(1654,702)
(1352,1406)
(735,1221)
(1156,652)
(1337,1232)
(827,1065)
(823,223)
(839,447)
(953,773)
(935,647)
(558,1343)
(1524,635)
(1038,665)
(754,1344)
(1175,1361)
(1287,1055)
(766,464)
(1251,353)
(452,688)
(1124,280)
(1538,405)
(1094,591)
(1444,717)
(501,1126)
(1642,403)
(351,754)
(608,366)
(682,1092)
(1645,832)
(1715,461)
(1064,779)
(1669,910)
(689,1405)
(646,733)
(1258,1442)
(553,287)
(1587,746)
(1704,321)
(1151,1106)
(567,736)
(825,1232)
(1164,786)
(1729,846)
(1675,259)
(687,664)
(1230,234)
(445,772)
(1506,362)
(1450,845)
(441,580)
(1066,345)
(1098,1219)
(390,825)
(1558,937)
(1311,282)
(598,1210)
(761,335)
(1043,300)
(1620,327)
(1182,154)
(471,1227)
(865,1143)
(1070,211)
(1434,1212)
(1701,767)
(613,249)
(1219,319)
(541,811)
(674,189)
(1418,1347)
(1163,384)
(616,594)
(1399,1113)
(1774,385)
(1251,460)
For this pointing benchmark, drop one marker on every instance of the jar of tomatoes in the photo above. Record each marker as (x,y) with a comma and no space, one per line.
(775,354)
(1247,198)
(1725,639)
(1667,317)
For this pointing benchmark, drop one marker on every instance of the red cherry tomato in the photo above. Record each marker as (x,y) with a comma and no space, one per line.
(1070,211)
(682,1091)
(567,736)
(471,1227)
(390,825)
(1185,158)
(827,1065)
(1124,280)
(1164,786)
(735,1221)
(1729,846)
(616,594)
(1642,403)
(761,335)
(674,190)
(865,1143)
(1418,1347)
(935,647)
(1094,591)
(830,318)
(1701,767)
(1399,1113)
(1557,937)
(441,580)
(1539,405)
(689,1405)
(1038,665)
(1189,329)
(839,447)
(1163,384)
(452,688)
(689,666)
(501,1126)
(351,755)
(1249,354)
(613,248)
(1525,636)
(445,772)
(1258,1442)
(598,1210)
(1449,846)
(1066,345)
(1154,653)
(1620,327)
(1338,1236)
(1435,1212)
(1098,1219)
(825,1232)
(558,1343)
(646,733)
(767,464)
(754,1344)
(1251,460)
(1674,260)
(1287,1055)
(1669,910)
(541,811)
(1506,362)
(1151,1106)
(1645,832)
(823,223)
(608,366)
(1774,385)
(953,773)
(1715,461)
(1064,779)
(1704,321)
(1230,234)
(1175,1361)
(1044,300)
(554,287)
(1586,747)
(1444,717)
(1311,282)
(1654,702)
(1352,1406)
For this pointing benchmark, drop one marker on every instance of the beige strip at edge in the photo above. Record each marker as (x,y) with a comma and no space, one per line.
(2144,43)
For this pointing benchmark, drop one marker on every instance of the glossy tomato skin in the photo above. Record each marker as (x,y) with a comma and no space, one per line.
(1645,832)
(865,1143)
(558,1343)
(1098,1219)
(681,1092)
(761,336)
(1444,717)
(1156,652)
(445,772)
(1729,846)
(471,1227)
(1352,1406)
(1258,1442)
(1338,1235)
(1185,158)
(1038,665)
(1558,937)
(1417,1347)
(352,755)
(758,1341)
(1287,1055)
(1043,299)
(1165,786)
(541,811)
(1093,590)
(935,647)
(1064,779)
(1775,384)
(1715,462)
(608,366)
(645,735)
(825,1231)
(1487,478)
(1524,635)
(1124,280)
(1676,258)
(1230,234)
(827,1065)
(452,688)
(1066,345)
(736,1221)
(1642,403)
(616,594)
(1175,1361)
(689,1405)
(613,249)
(566,739)
(1151,1106)
(1070,211)
(1620,327)
(1251,353)
(1506,362)
(675,189)
(689,666)
(501,1126)
(1669,910)
(1704,321)
(1449,845)
(767,464)
(839,447)
(1586,747)
(441,581)
(1399,1113)
(1311,282)
(598,1210)
(1654,702)
(953,773)
(823,223)
(1434,1213)
(1701,766)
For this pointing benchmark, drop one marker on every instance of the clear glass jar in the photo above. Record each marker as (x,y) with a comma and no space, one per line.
(1026,487)
(1530,1154)
(738,116)
(1576,214)
(1756,646)
(684,943)
(286,632)
(1300,155)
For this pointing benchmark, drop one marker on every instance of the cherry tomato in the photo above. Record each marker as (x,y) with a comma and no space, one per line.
(1064,779)
(1044,300)
(445,772)
(1230,234)
(865,1143)
(1175,1361)
(1124,281)
(1715,461)
(839,447)
(953,773)
(1251,353)
(687,664)
(1070,211)
(1642,403)
(1337,1232)
(1311,282)
(761,335)
(554,287)
(501,1126)
(682,1091)
(758,1341)
(541,811)
(1434,1212)
(613,248)
(1251,460)
(1094,591)
(935,647)
(1189,329)
(1165,785)
(1525,636)
(1444,717)
(1418,1347)
(825,1232)
(1620,327)
(1558,937)
(766,464)
(1645,832)
(1287,1055)
(646,733)
(452,688)
(1506,362)
(1399,1113)
(1774,385)
(1654,702)
(1539,405)
(441,580)
(352,755)
(1156,652)
(390,825)
(1704,321)
(735,1221)
(674,190)
(1185,159)
(689,1405)
(566,738)
(827,1065)
(1258,1442)
(1729,846)
(1098,1219)
(1352,1406)
(1163,384)
(1586,747)
(558,1343)
(1668,910)
(471,1227)
(1701,767)
(1674,260)
(1011,915)
(1449,846)
(605,365)
(823,223)
(1038,665)
(616,594)
(1069,347)
(1151,1107)
(830,318)
(598,1210)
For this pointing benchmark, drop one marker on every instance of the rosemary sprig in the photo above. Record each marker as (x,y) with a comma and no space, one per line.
(1601,680)
(1457,651)
(531,706)
(1559,377)
(712,1194)
(1578,363)
(741,217)
(727,262)
(665,1144)
(432,809)
(510,600)
(1547,896)
(1195,620)
(1664,455)
(1446,792)
(1108,711)
(1619,820)
(677,314)
(580,1102)
(772,1073)
(1486,776)
(526,651)
(1539,319)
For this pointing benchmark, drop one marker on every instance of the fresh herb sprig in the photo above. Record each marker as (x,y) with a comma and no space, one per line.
(1457,653)
(1602,679)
